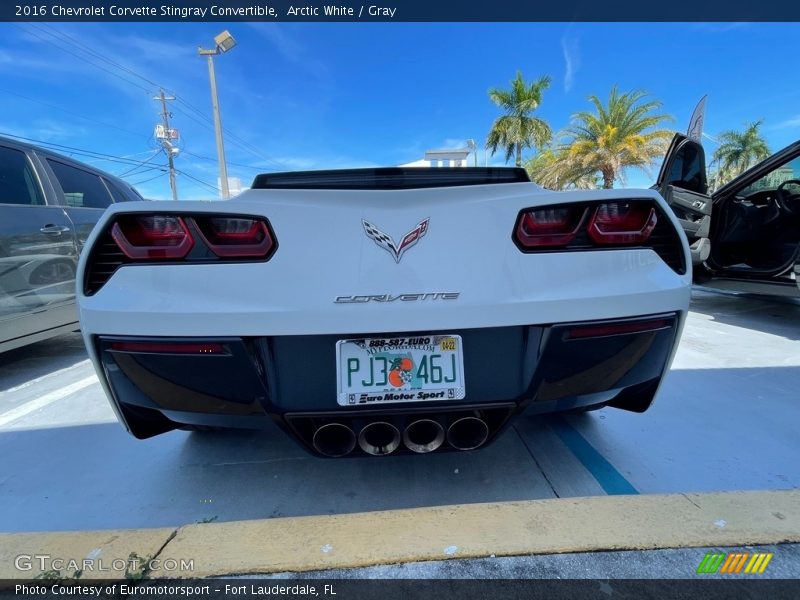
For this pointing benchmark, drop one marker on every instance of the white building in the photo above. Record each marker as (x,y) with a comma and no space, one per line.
(235,186)
(446,157)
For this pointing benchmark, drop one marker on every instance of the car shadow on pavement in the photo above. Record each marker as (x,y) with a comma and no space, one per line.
(776,316)
(27,363)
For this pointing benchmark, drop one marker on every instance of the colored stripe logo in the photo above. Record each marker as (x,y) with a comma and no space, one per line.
(734,562)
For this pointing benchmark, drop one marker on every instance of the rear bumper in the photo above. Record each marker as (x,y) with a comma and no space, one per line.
(156,387)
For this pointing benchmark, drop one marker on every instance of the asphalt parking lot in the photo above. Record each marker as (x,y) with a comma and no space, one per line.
(726,419)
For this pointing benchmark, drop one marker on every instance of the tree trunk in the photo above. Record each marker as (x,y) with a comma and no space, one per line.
(608,179)
(519,155)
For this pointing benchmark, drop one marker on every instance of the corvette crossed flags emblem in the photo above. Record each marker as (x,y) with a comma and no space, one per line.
(387,243)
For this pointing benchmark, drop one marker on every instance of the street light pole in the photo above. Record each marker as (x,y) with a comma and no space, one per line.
(223,42)
(223,167)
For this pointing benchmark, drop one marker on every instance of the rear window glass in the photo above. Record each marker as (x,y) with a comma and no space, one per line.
(687,170)
(81,188)
(18,184)
(117,193)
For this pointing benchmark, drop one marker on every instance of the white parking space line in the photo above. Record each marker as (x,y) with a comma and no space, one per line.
(42,401)
(46,377)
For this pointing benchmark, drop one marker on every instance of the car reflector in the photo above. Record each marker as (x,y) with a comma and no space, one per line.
(152,236)
(235,236)
(619,328)
(622,223)
(552,226)
(168,347)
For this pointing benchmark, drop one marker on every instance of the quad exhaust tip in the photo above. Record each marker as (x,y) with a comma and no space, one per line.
(334,440)
(467,433)
(423,435)
(379,438)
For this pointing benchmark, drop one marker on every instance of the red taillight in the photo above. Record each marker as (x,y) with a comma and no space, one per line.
(152,237)
(620,328)
(622,223)
(168,347)
(549,227)
(236,237)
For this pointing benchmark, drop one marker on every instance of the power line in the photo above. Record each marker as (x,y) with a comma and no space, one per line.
(150,179)
(58,39)
(228,134)
(166,144)
(65,110)
(140,164)
(205,183)
(251,167)
(65,148)
(32,32)
(89,153)
(162,168)
(66,38)
(88,49)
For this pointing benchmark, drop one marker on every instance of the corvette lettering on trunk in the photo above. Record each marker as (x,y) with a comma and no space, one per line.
(395,297)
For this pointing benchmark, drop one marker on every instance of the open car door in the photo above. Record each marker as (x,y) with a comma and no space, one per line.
(757,222)
(683,184)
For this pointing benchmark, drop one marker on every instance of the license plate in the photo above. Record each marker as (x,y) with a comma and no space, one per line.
(403,369)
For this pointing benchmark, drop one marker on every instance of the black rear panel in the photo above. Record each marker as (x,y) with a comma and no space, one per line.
(389,178)
(292,379)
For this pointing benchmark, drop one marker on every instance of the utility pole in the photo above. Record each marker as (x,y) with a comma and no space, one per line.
(166,143)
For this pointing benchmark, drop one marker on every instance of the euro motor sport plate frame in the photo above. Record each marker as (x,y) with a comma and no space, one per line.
(418,368)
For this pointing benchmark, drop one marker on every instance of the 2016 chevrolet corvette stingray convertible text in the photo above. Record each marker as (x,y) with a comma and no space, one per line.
(376,311)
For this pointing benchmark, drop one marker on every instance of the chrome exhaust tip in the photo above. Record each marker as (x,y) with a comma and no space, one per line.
(334,440)
(379,438)
(423,435)
(467,433)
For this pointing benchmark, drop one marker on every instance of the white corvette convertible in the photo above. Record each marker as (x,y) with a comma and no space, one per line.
(378,311)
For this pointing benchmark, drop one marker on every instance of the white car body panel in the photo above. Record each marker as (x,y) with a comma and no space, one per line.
(323,253)
(514,310)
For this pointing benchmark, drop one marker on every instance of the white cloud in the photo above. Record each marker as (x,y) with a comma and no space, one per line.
(290,48)
(45,130)
(572,59)
(788,123)
(718,27)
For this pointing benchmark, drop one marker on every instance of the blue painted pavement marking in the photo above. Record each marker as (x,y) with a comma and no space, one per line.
(611,480)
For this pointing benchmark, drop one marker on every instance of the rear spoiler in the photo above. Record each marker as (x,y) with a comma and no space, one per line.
(389,178)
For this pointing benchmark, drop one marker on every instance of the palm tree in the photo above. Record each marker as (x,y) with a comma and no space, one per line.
(552,168)
(740,150)
(518,128)
(620,134)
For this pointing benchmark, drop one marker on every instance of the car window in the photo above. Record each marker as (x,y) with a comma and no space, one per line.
(81,188)
(770,181)
(122,193)
(687,170)
(18,183)
(116,193)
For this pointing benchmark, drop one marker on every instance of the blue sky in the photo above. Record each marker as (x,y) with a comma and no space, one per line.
(303,96)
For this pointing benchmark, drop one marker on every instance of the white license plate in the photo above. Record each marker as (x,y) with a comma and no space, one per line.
(402,369)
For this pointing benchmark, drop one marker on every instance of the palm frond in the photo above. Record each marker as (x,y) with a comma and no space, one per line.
(518,128)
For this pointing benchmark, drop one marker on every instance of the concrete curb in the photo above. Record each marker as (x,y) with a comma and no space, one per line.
(102,547)
(436,533)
